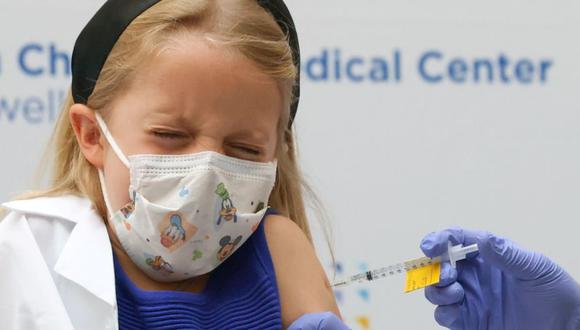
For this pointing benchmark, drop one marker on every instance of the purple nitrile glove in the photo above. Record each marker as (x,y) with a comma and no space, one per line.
(500,287)
(318,321)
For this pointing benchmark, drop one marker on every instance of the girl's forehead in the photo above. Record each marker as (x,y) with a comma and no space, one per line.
(196,80)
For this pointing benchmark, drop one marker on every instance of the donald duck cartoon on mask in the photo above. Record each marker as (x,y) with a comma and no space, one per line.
(174,232)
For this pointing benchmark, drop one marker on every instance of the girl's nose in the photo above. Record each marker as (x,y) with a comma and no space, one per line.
(207,144)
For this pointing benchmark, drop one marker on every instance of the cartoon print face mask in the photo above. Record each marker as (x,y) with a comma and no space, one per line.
(188,213)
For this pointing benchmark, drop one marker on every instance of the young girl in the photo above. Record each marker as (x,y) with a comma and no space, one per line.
(176,196)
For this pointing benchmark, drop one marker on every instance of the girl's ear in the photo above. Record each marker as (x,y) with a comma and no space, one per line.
(87,132)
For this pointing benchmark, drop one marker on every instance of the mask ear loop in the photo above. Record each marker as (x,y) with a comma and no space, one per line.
(109,138)
(104,190)
(118,152)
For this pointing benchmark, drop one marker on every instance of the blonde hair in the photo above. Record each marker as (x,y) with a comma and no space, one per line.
(240,25)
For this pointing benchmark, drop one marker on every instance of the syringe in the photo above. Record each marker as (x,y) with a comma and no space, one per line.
(454,253)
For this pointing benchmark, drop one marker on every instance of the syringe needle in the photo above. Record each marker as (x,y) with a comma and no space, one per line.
(339,283)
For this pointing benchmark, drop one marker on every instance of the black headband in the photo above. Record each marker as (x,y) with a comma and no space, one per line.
(97,39)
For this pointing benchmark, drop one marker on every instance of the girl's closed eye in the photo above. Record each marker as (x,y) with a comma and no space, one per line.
(249,150)
(169,135)
(169,140)
(236,148)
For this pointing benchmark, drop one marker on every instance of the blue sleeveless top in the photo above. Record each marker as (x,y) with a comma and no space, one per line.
(241,293)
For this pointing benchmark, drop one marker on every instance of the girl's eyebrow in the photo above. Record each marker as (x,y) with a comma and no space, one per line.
(168,117)
(256,135)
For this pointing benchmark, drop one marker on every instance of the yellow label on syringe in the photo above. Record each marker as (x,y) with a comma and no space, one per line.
(423,276)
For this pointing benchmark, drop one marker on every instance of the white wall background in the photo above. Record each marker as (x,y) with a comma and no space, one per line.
(391,160)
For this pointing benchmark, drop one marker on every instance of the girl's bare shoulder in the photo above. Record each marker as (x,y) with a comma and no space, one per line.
(302,282)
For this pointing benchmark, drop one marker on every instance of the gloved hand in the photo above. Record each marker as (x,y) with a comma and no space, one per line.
(500,287)
(318,321)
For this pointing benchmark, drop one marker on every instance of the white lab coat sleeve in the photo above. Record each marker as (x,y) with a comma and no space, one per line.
(29,298)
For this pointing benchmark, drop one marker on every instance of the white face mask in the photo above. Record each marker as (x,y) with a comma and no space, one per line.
(188,213)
